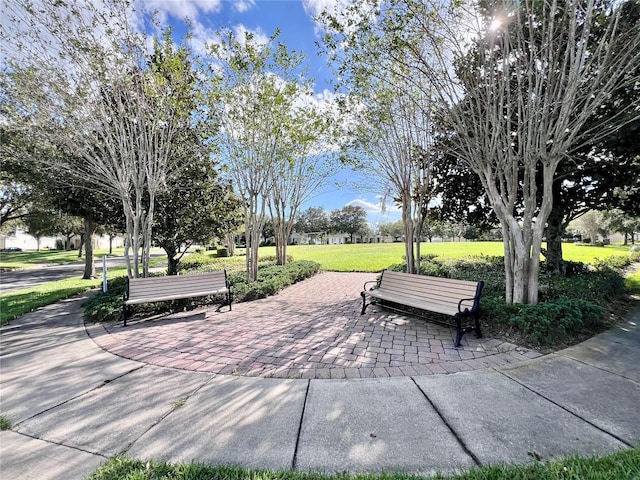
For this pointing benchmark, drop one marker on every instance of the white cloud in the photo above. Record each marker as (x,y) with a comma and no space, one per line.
(202,36)
(373,208)
(180,9)
(243,5)
(336,8)
(259,37)
(316,7)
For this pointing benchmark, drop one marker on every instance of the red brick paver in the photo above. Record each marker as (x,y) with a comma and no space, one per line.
(310,330)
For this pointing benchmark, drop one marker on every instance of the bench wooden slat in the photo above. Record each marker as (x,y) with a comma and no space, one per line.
(400,276)
(164,290)
(163,297)
(439,293)
(435,295)
(160,289)
(458,298)
(446,308)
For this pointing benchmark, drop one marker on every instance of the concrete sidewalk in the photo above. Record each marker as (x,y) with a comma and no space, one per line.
(73,405)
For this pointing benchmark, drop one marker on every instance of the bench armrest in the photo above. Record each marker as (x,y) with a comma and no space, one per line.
(364,288)
(466,309)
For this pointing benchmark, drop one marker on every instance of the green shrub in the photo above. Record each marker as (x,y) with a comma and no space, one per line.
(222,252)
(600,286)
(547,323)
(615,262)
(571,267)
(107,306)
(489,269)
(554,321)
(5,423)
(271,279)
(195,261)
(272,259)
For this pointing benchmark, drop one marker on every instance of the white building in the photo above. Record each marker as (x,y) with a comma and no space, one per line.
(22,240)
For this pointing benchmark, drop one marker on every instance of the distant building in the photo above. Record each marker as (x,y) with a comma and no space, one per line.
(20,239)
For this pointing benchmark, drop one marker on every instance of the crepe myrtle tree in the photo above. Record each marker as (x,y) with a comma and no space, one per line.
(80,78)
(389,126)
(304,170)
(516,82)
(252,90)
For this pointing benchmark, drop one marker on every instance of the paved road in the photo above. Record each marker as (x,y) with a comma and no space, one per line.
(73,405)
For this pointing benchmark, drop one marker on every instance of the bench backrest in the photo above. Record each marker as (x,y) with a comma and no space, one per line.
(436,289)
(157,287)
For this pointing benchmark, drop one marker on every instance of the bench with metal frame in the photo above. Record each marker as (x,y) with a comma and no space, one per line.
(447,296)
(174,287)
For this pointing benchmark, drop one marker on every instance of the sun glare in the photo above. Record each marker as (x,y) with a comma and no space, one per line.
(495,24)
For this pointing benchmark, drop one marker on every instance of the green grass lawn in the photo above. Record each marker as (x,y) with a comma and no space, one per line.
(30,258)
(374,257)
(624,465)
(632,282)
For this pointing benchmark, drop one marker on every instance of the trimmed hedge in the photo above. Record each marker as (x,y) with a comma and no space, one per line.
(545,323)
(107,306)
(271,279)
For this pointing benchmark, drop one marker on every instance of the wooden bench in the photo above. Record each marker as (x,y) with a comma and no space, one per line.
(458,298)
(173,287)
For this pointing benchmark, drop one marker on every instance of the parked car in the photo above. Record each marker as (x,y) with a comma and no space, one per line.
(11,249)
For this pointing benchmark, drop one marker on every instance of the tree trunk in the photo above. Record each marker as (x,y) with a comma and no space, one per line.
(554,231)
(509,261)
(89,265)
(407,222)
(110,244)
(82,237)
(520,275)
(172,261)
(255,246)
(147,235)
(281,244)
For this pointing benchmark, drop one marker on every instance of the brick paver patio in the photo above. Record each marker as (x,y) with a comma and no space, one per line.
(310,330)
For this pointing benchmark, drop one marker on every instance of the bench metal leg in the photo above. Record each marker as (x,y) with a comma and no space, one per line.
(228,303)
(459,331)
(478,331)
(124,315)
(364,303)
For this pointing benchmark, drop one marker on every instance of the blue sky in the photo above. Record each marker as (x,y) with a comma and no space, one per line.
(299,31)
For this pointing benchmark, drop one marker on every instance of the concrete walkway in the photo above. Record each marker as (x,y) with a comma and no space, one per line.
(148,392)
